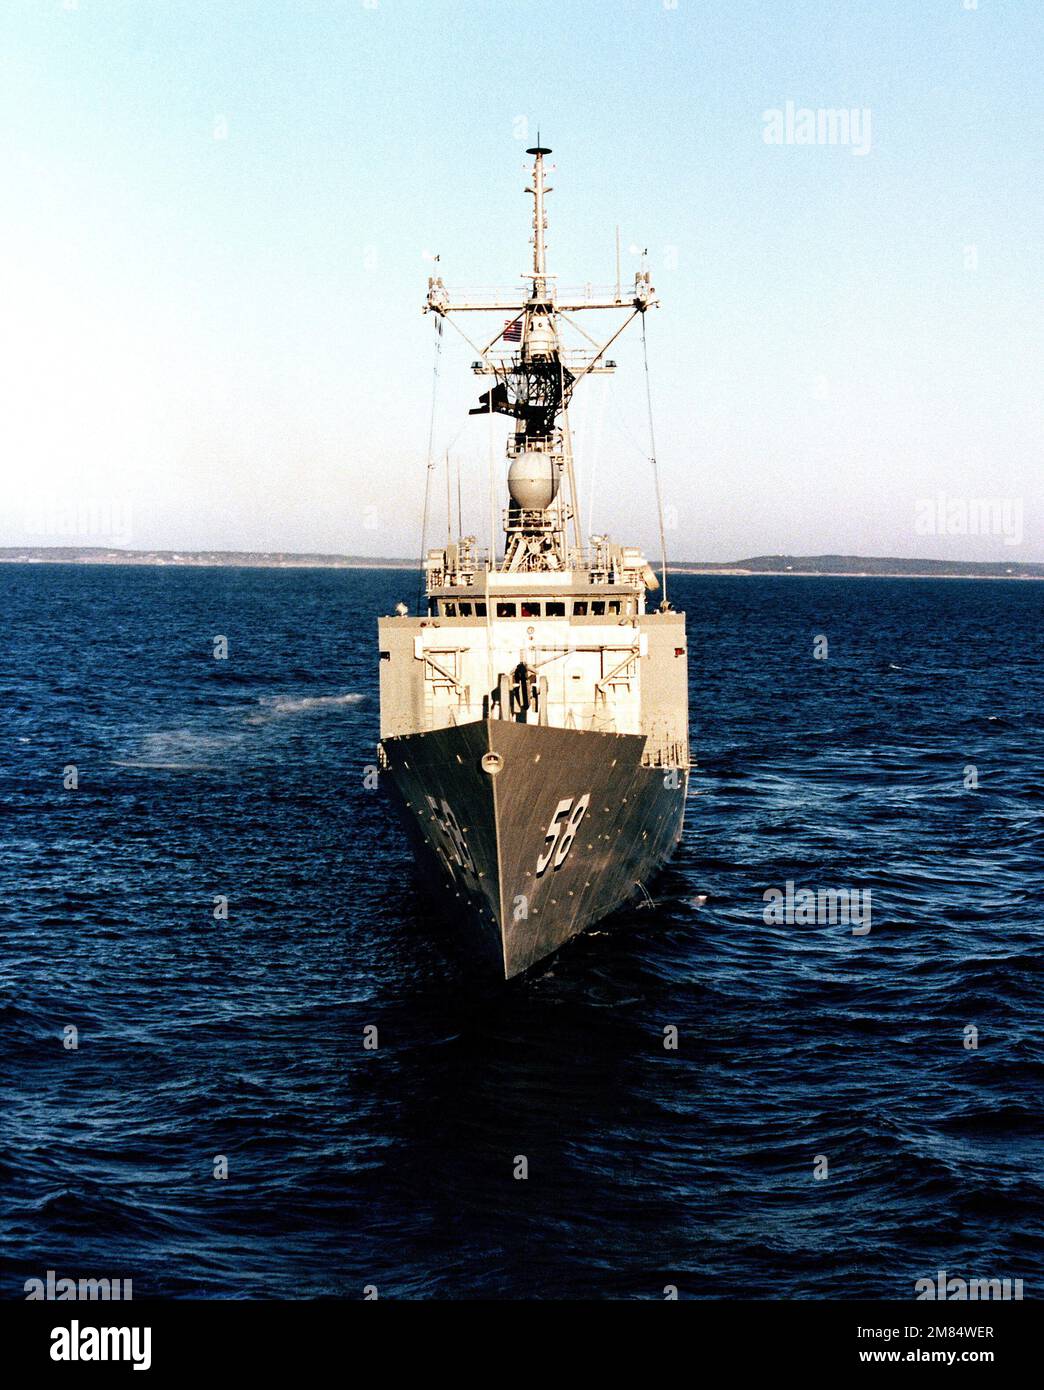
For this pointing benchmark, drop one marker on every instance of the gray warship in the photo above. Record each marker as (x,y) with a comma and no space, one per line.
(534,712)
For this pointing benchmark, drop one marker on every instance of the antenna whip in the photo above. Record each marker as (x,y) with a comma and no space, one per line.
(656,468)
(431,459)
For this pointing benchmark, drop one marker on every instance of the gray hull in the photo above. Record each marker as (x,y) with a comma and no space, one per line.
(539,841)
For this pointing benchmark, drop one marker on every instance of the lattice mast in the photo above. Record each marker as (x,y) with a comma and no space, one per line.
(534,376)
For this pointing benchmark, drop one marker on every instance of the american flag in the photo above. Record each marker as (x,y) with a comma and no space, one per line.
(513,331)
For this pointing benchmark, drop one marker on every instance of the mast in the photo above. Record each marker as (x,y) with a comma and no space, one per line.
(539,219)
(533,381)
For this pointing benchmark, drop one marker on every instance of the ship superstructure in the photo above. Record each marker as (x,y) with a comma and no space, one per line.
(534,715)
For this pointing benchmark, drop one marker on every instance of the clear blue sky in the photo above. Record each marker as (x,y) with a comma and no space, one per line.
(215,219)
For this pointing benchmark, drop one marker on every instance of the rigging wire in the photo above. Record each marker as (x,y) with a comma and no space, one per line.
(595,448)
(492,496)
(475,349)
(491,560)
(431,459)
(656,469)
(618,423)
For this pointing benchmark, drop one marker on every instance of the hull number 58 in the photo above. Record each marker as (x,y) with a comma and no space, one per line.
(562,831)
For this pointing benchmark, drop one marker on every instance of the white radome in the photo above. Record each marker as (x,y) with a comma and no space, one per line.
(532,481)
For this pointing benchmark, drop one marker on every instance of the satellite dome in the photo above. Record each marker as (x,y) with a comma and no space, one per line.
(532,481)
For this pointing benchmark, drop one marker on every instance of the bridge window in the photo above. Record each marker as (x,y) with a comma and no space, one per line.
(598,607)
(480,610)
(449,610)
(465,610)
(530,610)
(614,605)
(554,610)
(580,608)
(505,610)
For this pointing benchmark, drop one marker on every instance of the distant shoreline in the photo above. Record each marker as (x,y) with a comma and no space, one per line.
(780,566)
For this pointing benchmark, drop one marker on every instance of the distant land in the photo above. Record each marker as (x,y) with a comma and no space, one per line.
(856,566)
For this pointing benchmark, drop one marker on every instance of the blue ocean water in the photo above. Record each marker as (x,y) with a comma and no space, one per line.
(394,1167)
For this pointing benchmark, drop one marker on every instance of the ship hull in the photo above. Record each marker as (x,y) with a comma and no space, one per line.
(529,833)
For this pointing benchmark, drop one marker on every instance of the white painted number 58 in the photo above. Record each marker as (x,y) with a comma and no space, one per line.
(560,834)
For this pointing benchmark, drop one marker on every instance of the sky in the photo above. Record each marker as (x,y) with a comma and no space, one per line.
(217,221)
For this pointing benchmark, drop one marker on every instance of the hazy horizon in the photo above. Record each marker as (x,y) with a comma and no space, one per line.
(221,222)
(676,562)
